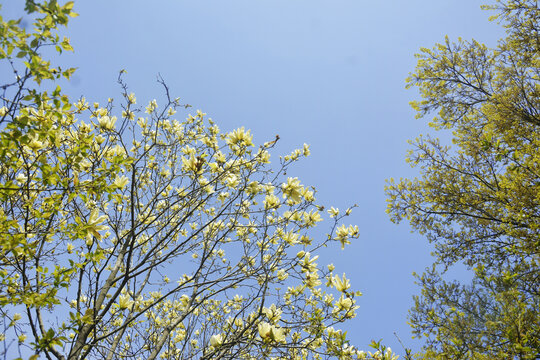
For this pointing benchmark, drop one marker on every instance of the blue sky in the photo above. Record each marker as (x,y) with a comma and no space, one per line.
(327,73)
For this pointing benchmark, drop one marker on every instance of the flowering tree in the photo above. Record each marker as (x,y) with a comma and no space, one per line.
(127,233)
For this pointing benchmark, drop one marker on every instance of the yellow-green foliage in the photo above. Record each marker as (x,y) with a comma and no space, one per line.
(478,199)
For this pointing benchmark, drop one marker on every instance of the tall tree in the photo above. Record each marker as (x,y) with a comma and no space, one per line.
(127,233)
(478,199)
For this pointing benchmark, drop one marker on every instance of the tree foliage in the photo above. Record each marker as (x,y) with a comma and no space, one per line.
(478,199)
(127,233)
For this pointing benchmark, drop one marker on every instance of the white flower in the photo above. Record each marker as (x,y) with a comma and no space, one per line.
(124,301)
(35,144)
(85,164)
(271,202)
(388,355)
(312,217)
(142,122)
(339,284)
(253,188)
(270,332)
(93,226)
(240,137)
(331,267)
(312,280)
(291,238)
(121,181)
(342,235)
(264,329)
(128,114)
(282,274)
(152,106)
(263,156)
(333,212)
(292,190)
(216,340)
(194,164)
(21,178)
(272,313)
(106,122)
(180,335)
(232,181)
(344,303)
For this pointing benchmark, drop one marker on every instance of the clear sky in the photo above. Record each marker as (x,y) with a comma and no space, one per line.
(327,73)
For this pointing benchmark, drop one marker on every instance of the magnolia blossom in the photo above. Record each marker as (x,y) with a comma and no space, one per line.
(282,274)
(271,202)
(132,99)
(312,280)
(121,181)
(388,355)
(308,264)
(21,178)
(263,156)
(216,340)
(124,301)
(93,226)
(312,217)
(341,284)
(291,237)
(35,144)
(344,303)
(333,212)
(292,190)
(142,122)
(240,137)
(232,181)
(152,106)
(193,164)
(331,267)
(85,164)
(106,122)
(184,301)
(343,234)
(128,114)
(272,313)
(270,332)
(253,188)
(180,335)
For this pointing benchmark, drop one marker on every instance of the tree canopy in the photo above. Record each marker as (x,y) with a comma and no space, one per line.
(127,233)
(477,200)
